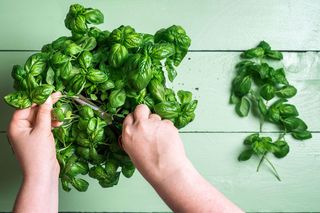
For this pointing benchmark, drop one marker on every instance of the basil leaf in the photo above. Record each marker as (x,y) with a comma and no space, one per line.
(288,110)
(272,54)
(245,155)
(294,124)
(18,100)
(257,52)
(93,16)
(41,93)
(117,98)
(301,135)
(243,107)
(267,91)
(287,92)
(281,149)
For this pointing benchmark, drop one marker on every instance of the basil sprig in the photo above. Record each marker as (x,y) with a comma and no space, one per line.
(264,90)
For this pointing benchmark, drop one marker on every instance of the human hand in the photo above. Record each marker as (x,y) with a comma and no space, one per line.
(31,138)
(153,144)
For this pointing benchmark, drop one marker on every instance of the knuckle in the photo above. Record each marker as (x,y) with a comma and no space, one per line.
(142,126)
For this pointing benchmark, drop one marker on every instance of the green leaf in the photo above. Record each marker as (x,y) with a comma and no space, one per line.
(273,54)
(18,100)
(157,90)
(287,92)
(85,59)
(65,70)
(243,87)
(162,50)
(77,83)
(141,74)
(278,76)
(58,114)
(260,147)
(89,44)
(50,76)
(133,40)
(302,135)
(245,155)
(77,168)
(264,45)
(167,110)
(93,16)
(184,96)
(172,73)
(264,70)
(294,124)
(80,184)
(111,167)
(41,93)
(249,140)
(281,148)
(118,55)
(96,76)
(58,59)
(73,49)
(267,91)
(262,107)
(128,170)
(243,107)
(117,98)
(257,52)
(234,99)
(36,64)
(288,110)
(86,112)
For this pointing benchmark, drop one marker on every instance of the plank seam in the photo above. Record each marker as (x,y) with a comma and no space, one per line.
(217,132)
(193,51)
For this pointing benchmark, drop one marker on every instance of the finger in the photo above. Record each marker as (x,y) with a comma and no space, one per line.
(141,112)
(55,97)
(168,122)
(21,114)
(43,117)
(22,118)
(155,117)
(128,121)
(56,124)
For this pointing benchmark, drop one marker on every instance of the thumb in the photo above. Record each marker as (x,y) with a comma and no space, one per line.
(43,117)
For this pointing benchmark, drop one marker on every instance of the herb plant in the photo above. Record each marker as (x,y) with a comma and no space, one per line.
(265,91)
(103,76)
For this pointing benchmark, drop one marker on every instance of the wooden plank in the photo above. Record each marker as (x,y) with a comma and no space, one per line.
(208,76)
(214,155)
(213,25)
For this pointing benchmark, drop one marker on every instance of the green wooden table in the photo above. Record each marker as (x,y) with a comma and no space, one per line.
(219,30)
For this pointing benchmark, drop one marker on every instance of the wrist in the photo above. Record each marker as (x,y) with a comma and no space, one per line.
(42,175)
(172,174)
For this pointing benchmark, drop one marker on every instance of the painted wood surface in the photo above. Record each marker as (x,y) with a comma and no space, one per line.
(214,155)
(218,29)
(212,24)
(209,76)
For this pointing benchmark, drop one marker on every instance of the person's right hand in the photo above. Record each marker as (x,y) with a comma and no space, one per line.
(153,144)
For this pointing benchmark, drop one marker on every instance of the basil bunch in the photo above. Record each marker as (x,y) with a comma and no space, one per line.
(256,84)
(103,76)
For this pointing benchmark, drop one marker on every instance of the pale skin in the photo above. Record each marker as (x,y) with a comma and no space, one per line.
(31,138)
(153,145)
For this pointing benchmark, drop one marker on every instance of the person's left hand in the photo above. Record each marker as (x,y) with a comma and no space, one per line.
(32,141)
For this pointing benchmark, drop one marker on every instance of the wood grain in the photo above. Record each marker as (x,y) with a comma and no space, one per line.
(214,155)
(212,25)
